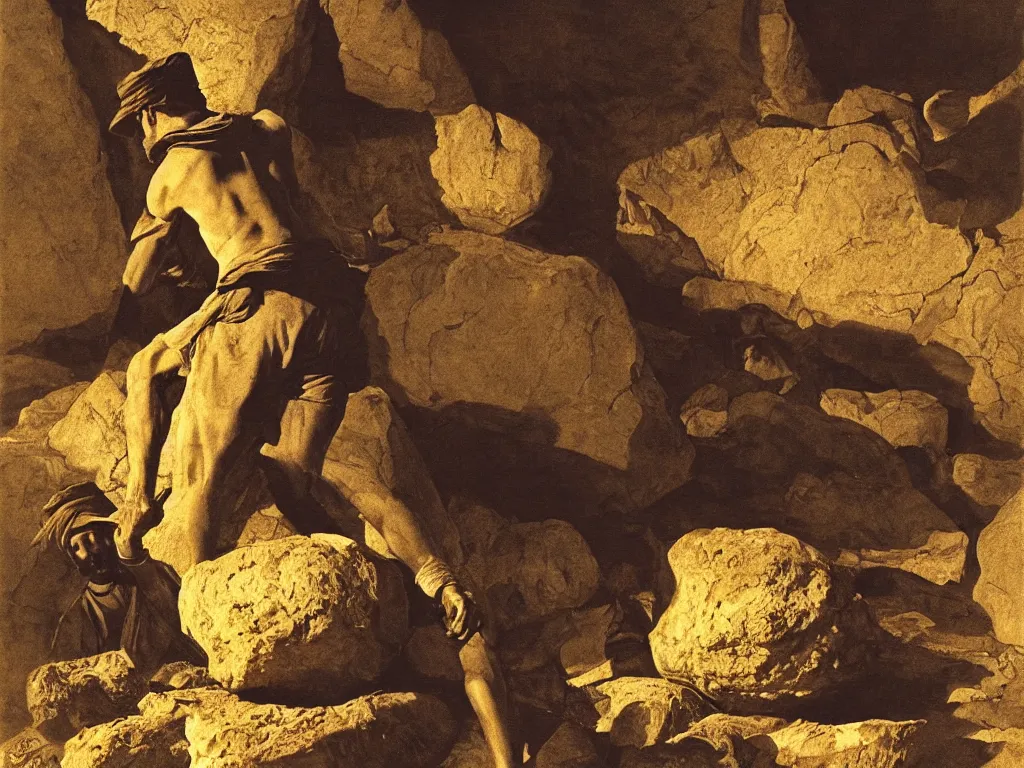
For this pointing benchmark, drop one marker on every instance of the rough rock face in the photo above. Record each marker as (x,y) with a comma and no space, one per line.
(987,481)
(569,747)
(372,453)
(50,144)
(389,57)
(666,256)
(153,739)
(794,90)
(492,169)
(387,730)
(297,615)
(705,412)
(1000,588)
(817,215)
(535,345)
(91,437)
(757,616)
(66,696)
(29,747)
(868,744)
(528,570)
(910,418)
(244,54)
(643,711)
(24,379)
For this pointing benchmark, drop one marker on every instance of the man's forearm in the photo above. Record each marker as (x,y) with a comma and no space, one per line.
(143,419)
(399,527)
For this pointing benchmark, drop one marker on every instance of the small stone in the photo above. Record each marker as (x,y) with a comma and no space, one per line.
(904,418)
(1000,587)
(493,169)
(757,617)
(66,696)
(947,112)
(666,256)
(643,711)
(298,616)
(706,411)
(986,481)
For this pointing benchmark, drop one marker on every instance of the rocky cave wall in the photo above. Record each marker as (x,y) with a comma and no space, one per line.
(646,269)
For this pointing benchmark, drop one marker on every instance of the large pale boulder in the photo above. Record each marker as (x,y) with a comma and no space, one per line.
(513,340)
(302,616)
(527,570)
(1000,587)
(492,169)
(385,730)
(245,55)
(62,255)
(66,696)
(986,481)
(835,218)
(908,418)
(758,617)
(389,57)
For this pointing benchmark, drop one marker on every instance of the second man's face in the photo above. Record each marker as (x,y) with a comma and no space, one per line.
(94,553)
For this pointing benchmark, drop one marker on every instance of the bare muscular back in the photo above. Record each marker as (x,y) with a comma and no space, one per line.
(239,198)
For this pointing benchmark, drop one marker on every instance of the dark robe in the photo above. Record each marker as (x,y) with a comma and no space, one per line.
(137,613)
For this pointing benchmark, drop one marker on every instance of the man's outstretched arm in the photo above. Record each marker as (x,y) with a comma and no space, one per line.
(144,421)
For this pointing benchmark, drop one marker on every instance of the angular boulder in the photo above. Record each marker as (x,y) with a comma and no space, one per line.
(568,747)
(1000,587)
(986,481)
(758,617)
(385,730)
(66,696)
(51,144)
(91,436)
(527,570)
(493,169)
(705,413)
(154,740)
(246,56)
(390,58)
(909,418)
(30,747)
(297,616)
(871,743)
(644,711)
(510,340)
(834,218)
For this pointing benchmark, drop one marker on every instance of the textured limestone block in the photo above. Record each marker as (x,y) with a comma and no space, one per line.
(1000,588)
(528,570)
(29,747)
(59,224)
(493,169)
(91,437)
(152,740)
(705,412)
(986,481)
(568,747)
(66,696)
(245,54)
(830,217)
(373,454)
(795,92)
(526,343)
(386,730)
(907,418)
(644,711)
(757,616)
(868,744)
(389,57)
(305,616)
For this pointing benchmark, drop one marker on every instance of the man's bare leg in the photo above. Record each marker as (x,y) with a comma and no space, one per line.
(485,688)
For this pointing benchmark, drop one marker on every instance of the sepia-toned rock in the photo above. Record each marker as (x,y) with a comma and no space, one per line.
(910,418)
(156,740)
(246,56)
(384,730)
(66,696)
(531,344)
(51,144)
(1000,586)
(875,743)
(91,436)
(757,617)
(311,617)
(493,169)
(986,481)
(644,711)
(389,57)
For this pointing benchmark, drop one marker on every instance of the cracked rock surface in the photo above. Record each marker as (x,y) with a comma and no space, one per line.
(299,616)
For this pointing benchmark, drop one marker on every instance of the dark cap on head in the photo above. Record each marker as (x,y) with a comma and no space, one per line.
(73,509)
(170,80)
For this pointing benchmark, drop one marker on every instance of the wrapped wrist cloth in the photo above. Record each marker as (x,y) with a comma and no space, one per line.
(434,576)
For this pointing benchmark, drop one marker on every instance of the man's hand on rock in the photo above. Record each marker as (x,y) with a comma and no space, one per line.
(461,616)
(134,518)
